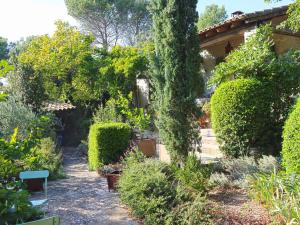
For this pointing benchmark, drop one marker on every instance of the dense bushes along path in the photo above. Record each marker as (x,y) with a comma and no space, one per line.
(83,197)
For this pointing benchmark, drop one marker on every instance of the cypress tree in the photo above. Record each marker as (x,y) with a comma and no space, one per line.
(176,77)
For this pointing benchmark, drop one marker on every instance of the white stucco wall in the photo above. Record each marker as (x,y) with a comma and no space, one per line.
(142,92)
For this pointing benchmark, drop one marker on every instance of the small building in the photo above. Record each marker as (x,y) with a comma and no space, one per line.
(219,40)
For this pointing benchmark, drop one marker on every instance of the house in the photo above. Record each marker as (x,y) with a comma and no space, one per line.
(219,40)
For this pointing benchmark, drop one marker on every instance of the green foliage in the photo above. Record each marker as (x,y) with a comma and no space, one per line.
(136,117)
(212,15)
(150,188)
(119,69)
(13,113)
(73,80)
(147,188)
(175,77)
(280,193)
(5,68)
(280,75)
(17,156)
(49,158)
(15,208)
(240,116)
(3,97)
(112,21)
(191,213)
(252,59)
(107,143)
(206,108)
(236,172)
(107,114)
(194,174)
(30,153)
(120,109)
(293,20)
(291,141)
(3,48)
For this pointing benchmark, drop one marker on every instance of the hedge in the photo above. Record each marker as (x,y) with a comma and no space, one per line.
(240,114)
(291,141)
(107,142)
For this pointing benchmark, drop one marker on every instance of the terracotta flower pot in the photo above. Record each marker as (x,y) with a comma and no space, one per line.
(148,147)
(112,180)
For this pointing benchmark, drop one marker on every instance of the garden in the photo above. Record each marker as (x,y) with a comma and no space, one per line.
(98,145)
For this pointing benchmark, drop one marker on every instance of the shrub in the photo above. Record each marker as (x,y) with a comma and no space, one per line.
(257,59)
(147,188)
(14,197)
(235,172)
(107,142)
(193,212)
(16,156)
(29,154)
(153,192)
(107,114)
(49,158)
(280,193)
(194,174)
(13,113)
(239,116)
(291,141)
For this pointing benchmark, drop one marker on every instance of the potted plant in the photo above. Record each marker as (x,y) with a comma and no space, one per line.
(112,174)
(146,143)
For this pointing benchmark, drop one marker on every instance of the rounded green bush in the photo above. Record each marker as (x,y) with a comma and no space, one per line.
(291,141)
(107,143)
(240,113)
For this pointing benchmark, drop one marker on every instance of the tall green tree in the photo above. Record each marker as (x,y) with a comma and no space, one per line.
(112,21)
(293,20)
(176,78)
(213,14)
(61,66)
(3,48)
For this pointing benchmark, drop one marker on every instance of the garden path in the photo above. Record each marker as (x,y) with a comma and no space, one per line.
(83,198)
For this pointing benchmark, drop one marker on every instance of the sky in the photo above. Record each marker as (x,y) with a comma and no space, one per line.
(23,18)
(240,5)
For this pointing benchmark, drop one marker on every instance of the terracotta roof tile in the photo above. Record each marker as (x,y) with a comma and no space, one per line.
(57,106)
(249,16)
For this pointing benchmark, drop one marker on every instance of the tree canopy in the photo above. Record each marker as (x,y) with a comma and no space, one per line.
(213,14)
(119,69)
(69,68)
(62,65)
(112,21)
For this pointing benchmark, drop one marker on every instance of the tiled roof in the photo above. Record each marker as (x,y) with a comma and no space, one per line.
(250,17)
(57,106)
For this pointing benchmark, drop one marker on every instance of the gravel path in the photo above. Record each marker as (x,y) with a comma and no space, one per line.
(83,197)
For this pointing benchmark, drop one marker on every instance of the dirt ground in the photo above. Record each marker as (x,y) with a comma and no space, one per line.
(233,207)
